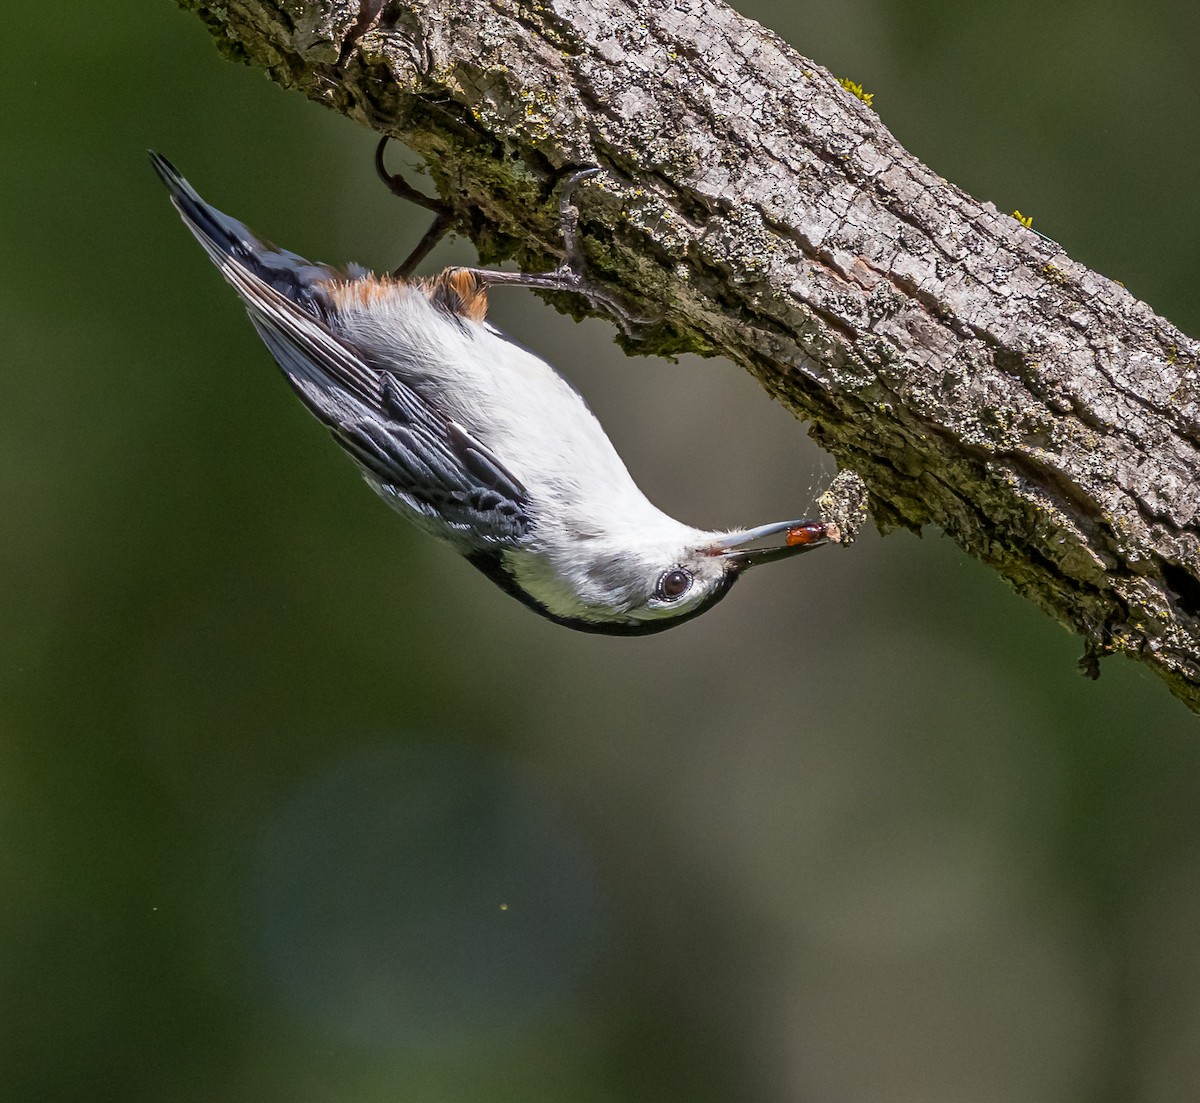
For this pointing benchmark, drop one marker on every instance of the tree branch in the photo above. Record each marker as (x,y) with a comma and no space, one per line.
(969,371)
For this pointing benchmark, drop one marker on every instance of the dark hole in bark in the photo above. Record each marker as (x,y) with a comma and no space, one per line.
(1184,587)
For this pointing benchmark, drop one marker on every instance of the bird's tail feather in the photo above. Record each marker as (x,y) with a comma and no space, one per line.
(227,241)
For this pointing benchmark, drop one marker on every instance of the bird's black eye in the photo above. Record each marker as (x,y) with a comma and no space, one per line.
(674,584)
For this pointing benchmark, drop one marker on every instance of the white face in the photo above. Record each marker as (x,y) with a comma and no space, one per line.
(684,585)
(627,590)
(634,584)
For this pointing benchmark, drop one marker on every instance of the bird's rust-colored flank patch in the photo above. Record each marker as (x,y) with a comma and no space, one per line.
(459,291)
(456,290)
(364,291)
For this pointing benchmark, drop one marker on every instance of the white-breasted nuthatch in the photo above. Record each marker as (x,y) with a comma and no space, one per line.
(476,439)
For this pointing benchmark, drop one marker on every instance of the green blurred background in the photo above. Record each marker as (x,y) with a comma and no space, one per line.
(294,805)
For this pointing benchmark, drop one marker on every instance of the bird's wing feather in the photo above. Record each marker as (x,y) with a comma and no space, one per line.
(410,451)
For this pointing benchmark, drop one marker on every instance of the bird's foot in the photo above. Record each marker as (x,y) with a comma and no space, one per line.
(572,275)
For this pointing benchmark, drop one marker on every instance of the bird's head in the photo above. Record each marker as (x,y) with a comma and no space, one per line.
(653,584)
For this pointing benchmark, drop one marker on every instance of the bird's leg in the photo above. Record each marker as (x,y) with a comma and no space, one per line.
(571,275)
(443,215)
(370,12)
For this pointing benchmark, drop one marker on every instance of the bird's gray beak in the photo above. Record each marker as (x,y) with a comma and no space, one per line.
(801,536)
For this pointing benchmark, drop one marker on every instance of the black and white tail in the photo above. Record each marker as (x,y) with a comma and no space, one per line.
(229,242)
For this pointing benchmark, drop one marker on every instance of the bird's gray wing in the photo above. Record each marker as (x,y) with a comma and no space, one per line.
(410,451)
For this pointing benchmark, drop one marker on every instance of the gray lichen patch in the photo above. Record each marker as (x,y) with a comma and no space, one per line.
(844,504)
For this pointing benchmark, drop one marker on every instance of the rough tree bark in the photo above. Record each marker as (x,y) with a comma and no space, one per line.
(969,371)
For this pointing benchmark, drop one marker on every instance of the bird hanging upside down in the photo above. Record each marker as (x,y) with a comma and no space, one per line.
(475,439)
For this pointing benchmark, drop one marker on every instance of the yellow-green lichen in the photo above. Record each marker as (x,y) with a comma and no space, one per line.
(856,89)
(1054,275)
